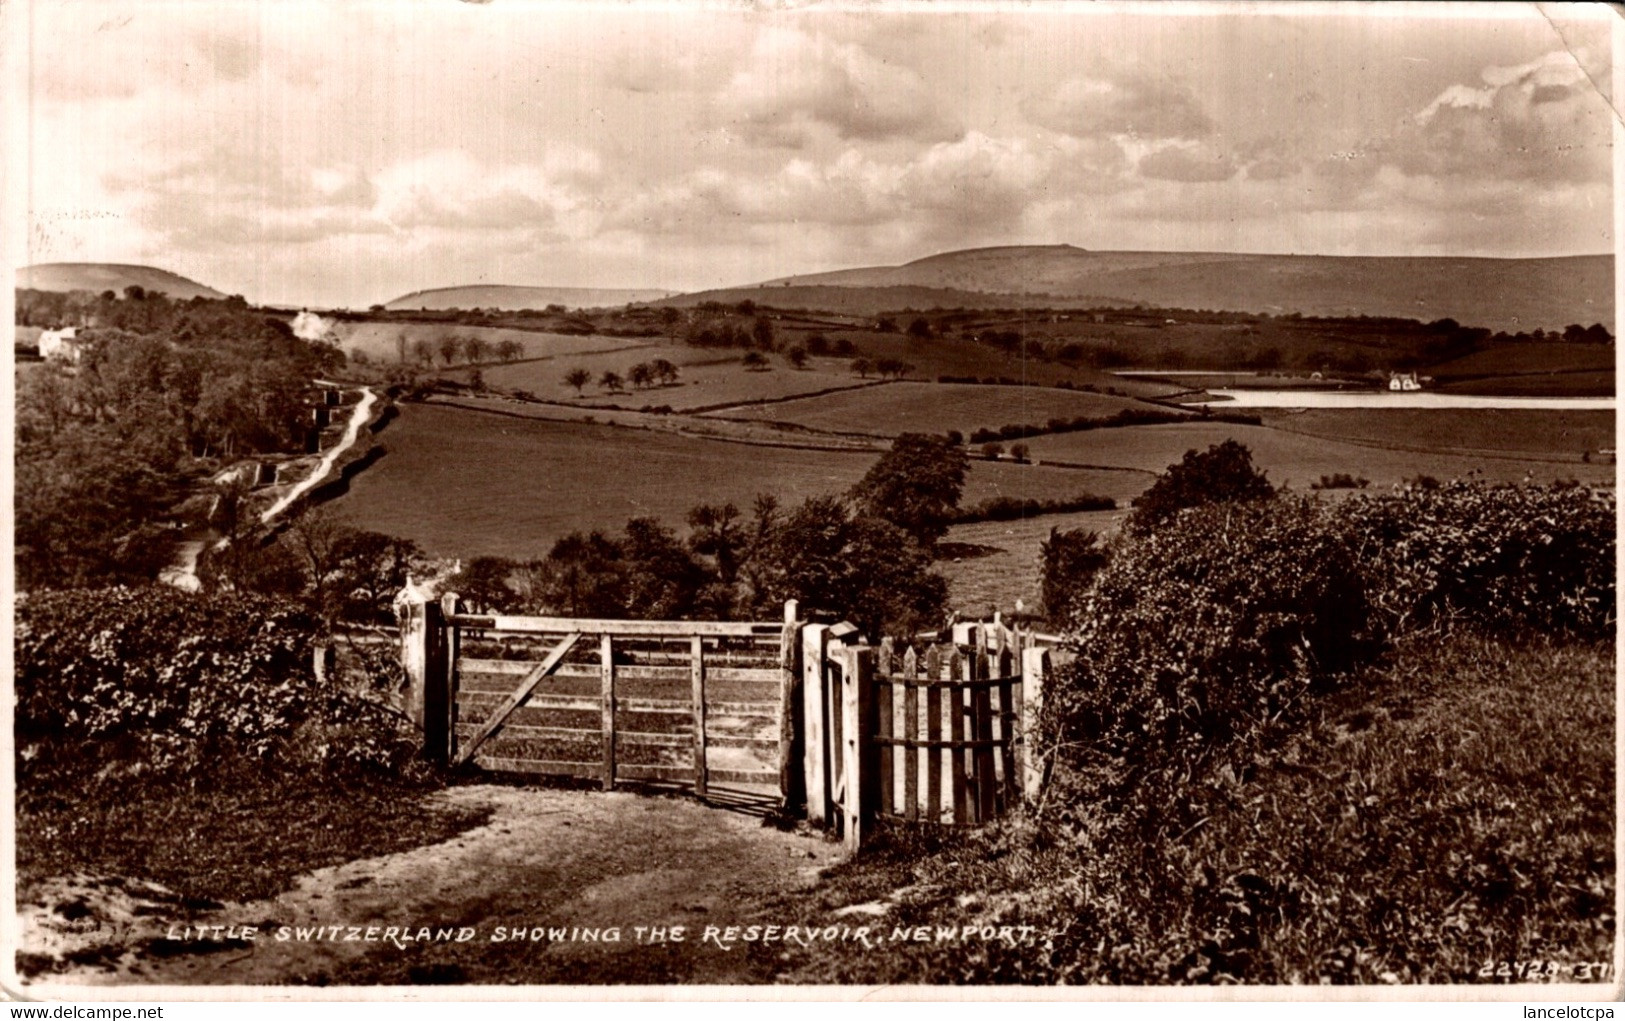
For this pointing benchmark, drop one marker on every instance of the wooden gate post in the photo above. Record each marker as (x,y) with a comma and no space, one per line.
(1035,666)
(858,750)
(792,772)
(815,729)
(425,659)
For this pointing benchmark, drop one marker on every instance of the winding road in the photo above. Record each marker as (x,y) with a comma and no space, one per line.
(183,572)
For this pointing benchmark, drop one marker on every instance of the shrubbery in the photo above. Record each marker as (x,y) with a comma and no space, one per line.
(1199,639)
(122,682)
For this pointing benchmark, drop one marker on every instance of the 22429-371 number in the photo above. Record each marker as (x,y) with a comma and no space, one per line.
(1548,971)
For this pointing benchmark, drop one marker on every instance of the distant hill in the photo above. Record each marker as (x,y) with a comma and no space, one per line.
(109,276)
(1510,294)
(519,298)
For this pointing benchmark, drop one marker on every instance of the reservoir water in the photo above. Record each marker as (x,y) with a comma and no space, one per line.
(1391,399)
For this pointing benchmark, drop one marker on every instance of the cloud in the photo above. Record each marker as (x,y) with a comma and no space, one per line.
(1189,162)
(1542,121)
(794,83)
(1132,103)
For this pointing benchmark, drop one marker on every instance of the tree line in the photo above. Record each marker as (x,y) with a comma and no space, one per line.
(864,555)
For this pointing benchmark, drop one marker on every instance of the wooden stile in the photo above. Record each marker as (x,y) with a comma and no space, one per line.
(606,663)
(697,650)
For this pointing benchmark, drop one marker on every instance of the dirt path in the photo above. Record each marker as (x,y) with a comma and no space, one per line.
(548,859)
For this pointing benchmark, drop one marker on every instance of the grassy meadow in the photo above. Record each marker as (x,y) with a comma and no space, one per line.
(464,483)
(1299,460)
(381,340)
(933,408)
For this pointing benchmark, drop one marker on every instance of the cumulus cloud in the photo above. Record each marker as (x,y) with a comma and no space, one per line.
(1132,103)
(1542,121)
(795,82)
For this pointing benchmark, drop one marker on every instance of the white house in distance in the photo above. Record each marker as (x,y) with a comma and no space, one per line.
(61,344)
(1404,381)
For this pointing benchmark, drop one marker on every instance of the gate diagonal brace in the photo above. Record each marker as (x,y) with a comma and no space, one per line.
(522,692)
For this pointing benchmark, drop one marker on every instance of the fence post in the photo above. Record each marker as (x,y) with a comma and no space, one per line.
(815,741)
(440,682)
(411,616)
(856,696)
(792,779)
(1035,666)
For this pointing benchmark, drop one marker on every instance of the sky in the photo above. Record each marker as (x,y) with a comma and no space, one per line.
(341,153)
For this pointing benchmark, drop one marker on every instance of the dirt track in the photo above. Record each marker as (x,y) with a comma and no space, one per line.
(547,859)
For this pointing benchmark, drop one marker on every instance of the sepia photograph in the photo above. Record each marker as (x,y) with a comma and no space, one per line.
(517,498)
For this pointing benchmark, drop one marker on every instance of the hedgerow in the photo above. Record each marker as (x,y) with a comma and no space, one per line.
(155,681)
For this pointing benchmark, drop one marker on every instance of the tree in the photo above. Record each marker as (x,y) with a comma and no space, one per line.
(485,583)
(1223,473)
(885,324)
(796,355)
(611,381)
(992,451)
(476,349)
(915,485)
(448,346)
(862,366)
(919,329)
(665,370)
(423,351)
(860,567)
(1070,561)
(817,344)
(641,375)
(1019,452)
(761,332)
(510,350)
(577,378)
(753,361)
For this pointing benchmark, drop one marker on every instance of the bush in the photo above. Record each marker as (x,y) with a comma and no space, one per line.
(155,680)
(1223,473)
(1340,480)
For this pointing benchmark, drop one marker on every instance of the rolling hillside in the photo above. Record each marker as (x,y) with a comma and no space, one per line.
(109,276)
(1510,294)
(517,298)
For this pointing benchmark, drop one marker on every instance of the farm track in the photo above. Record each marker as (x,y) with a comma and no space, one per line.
(546,858)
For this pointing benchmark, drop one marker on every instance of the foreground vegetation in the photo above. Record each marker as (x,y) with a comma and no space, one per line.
(1303,742)
(152,722)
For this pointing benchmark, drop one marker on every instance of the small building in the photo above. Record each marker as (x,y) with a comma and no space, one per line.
(1403,382)
(62,344)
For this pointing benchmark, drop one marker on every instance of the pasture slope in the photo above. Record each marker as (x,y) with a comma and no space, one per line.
(465,483)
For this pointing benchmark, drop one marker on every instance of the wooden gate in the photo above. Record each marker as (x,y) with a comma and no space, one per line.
(693,702)
(933,735)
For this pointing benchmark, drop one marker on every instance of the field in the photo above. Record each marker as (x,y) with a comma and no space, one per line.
(380,340)
(991,564)
(1298,460)
(463,483)
(707,377)
(1528,359)
(934,408)
(1558,435)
